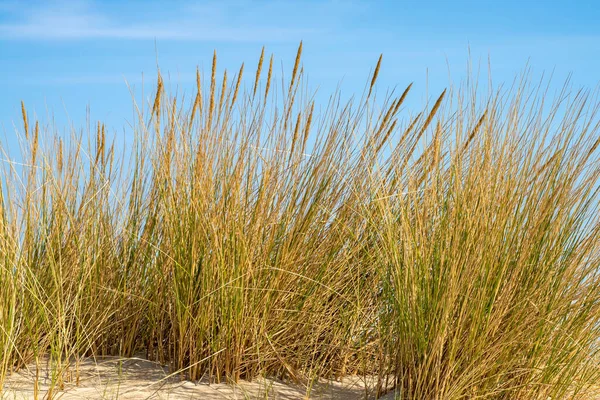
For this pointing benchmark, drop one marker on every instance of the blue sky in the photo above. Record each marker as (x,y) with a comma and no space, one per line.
(61,56)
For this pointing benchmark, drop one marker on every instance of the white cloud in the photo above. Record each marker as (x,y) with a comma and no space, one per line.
(83,20)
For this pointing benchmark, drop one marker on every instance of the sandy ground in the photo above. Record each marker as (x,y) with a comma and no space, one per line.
(135,378)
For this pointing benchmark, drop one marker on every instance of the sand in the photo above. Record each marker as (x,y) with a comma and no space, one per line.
(136,378)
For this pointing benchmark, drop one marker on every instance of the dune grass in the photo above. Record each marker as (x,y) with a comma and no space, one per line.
(453,253)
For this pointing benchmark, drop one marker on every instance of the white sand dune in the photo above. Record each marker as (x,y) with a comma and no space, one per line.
(136,378)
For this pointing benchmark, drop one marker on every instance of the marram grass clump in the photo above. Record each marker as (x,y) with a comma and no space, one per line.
(453,253)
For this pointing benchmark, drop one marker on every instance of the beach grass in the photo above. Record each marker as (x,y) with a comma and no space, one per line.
(452,252)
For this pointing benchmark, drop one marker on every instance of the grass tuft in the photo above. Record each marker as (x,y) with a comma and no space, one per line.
(453,254)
